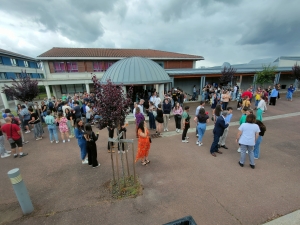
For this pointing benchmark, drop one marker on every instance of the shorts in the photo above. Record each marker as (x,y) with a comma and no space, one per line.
(18,143)
(25,122)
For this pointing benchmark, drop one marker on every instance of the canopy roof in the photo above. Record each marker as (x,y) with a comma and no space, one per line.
(136,70)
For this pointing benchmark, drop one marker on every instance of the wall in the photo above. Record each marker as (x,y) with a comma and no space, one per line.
(177,64)
(187,84)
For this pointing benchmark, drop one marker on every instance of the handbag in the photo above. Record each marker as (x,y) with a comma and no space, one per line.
(178,116)
(10,140)
(150,140)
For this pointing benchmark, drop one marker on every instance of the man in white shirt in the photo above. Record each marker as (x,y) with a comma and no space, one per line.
(88,111)
(153,97)
(64,107)
(234,92)
(141,106)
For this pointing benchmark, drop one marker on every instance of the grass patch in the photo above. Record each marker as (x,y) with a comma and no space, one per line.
(12,111)
(131,189)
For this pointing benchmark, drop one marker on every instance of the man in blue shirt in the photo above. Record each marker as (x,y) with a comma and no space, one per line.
(273,96)
(224,136)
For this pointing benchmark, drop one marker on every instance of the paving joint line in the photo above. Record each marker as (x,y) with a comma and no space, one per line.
(210,127)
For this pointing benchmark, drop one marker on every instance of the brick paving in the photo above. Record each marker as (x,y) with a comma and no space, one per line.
(182,179)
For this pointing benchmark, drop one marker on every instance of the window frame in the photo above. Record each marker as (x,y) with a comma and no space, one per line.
(4,76)
(13,62)
(71,65)
(59,64)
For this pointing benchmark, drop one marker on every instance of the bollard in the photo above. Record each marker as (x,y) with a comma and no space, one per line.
(20,190)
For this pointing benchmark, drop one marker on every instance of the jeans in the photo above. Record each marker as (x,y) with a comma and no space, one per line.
(177,121)
(2,148)
(201,127)
(248,148)
(257,147)
(52,132)
(256,102)
(166,120)
(82,146)
(186,127)
(152,124)
(224,105)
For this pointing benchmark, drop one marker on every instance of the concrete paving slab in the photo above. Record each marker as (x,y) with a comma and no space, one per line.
(182,179)
(289,219)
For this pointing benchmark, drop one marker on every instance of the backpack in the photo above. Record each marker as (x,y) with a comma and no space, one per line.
(50,105)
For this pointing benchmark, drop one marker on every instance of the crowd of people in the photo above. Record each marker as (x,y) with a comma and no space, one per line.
(74,116)
(250,132)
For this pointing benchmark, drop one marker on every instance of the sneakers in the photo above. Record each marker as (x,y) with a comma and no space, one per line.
(51,142)
(5,155)
(255,158)
(186,137)
(26,132)
(239,150)
(24,154)
(167,129)
(56,142)
(200,144)
(164,129)
(184,141)
(8,152)
(64,141)
(68,140)
(96,166)
(246,152)
(71,136)
(16,155)
(85,161)
(197,135)
(197,142)
(39,138)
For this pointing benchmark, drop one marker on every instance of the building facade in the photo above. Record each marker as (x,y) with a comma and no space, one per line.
(13,66)
(69,70)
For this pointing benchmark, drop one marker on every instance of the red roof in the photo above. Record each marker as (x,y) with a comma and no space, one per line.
(113,52)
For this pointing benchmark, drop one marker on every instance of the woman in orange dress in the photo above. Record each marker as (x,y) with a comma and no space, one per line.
(143,143)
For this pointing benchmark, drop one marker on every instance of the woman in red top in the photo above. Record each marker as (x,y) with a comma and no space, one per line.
(143,143)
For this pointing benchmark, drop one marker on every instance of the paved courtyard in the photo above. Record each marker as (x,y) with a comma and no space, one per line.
(182,179)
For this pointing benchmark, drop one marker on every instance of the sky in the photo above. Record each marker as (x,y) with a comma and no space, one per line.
(234,31)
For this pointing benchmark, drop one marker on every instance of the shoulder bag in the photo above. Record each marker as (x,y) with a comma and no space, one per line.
(10,140)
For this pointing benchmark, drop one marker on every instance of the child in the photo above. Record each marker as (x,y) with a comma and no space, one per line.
(91,146)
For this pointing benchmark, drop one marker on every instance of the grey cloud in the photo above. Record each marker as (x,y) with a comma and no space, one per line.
(270,32)
(75,20)
(178,9)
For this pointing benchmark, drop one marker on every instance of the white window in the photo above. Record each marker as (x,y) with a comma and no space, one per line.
(25,63)
(13,62)
(2,76)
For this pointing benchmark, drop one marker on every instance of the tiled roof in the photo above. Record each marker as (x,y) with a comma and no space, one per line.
(114,53)
(5,52)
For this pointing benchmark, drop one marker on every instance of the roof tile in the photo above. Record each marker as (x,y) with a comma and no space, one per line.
(108,52)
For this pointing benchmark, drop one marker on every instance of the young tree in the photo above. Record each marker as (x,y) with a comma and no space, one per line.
(227,75)
(23,89)
(111,102)
(296,71)
(265,76)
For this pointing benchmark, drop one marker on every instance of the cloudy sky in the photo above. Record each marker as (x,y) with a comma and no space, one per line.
(235,31)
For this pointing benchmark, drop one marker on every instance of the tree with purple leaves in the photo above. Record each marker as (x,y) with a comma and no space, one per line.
(296,71)
(227,75)
(23,89)
(111,102)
